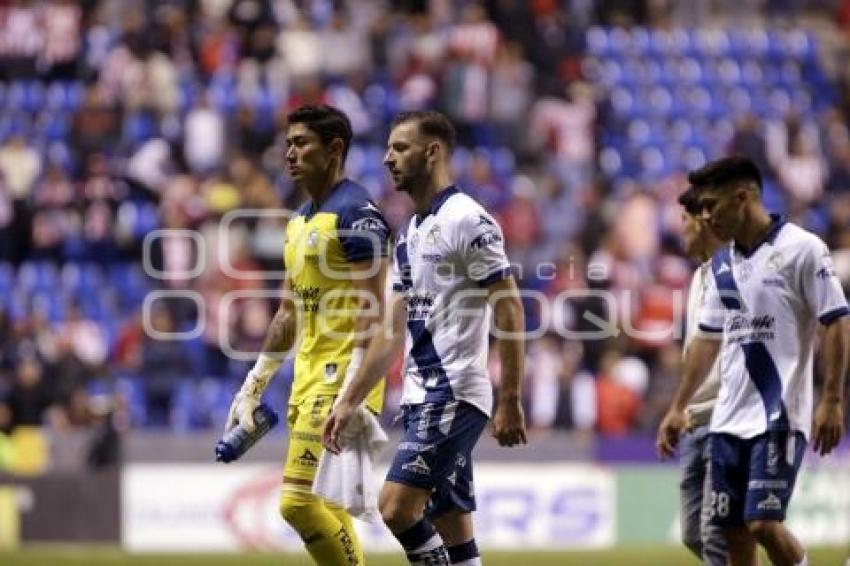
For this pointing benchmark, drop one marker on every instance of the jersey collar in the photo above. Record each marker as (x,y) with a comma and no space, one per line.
(437,202)
(777,222)
(313,209)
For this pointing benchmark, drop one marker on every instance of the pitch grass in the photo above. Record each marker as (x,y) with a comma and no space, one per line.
(626,556)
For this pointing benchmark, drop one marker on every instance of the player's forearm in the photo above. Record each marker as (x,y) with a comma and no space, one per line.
(280,336)
(699,359)
(510,325)
(835,355)
(379,357)
(383,347)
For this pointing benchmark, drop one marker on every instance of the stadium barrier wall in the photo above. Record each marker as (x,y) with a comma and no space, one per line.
(203,507)
(61,507)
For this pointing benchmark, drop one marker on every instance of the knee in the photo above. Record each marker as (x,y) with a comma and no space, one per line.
(295,509)
(762,530)
(396,516)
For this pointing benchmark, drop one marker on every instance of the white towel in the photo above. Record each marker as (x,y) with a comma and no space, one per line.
(346,478)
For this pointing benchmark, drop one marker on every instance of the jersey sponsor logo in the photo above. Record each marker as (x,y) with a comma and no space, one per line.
(773,282)
(756,329)
(418,466)
(415,447)
(769,503)
(767,484)
(368,225)
(419,305)
(432,258)
(485,239)
(308,297)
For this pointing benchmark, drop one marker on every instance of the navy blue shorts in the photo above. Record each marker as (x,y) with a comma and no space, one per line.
(436,453)
(753,478)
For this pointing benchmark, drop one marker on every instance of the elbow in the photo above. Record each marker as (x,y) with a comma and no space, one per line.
(510,315)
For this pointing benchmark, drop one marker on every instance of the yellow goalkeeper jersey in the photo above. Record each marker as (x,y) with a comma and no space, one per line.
(321,245)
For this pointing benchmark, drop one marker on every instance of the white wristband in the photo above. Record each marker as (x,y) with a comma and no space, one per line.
(261,374)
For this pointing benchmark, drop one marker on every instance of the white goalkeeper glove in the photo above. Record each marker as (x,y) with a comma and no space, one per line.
(248,397)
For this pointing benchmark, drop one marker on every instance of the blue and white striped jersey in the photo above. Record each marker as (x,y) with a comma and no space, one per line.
(768,304)
(443,264)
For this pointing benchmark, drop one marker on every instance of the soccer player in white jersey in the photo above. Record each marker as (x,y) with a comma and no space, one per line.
(450,264)
(769,290)
(706,541)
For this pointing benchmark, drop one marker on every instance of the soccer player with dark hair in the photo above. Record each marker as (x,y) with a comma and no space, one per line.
(336,261)
(450,264)
(706,541)
(770,288)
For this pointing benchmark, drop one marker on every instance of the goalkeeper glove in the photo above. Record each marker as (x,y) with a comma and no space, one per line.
(248,397)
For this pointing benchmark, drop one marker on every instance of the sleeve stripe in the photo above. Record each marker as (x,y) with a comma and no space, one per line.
(497,275)
(711,329)
(834,314)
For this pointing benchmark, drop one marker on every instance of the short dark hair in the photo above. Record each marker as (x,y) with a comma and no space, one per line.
(722,172)
(328,123)
(431,123)
(690,201)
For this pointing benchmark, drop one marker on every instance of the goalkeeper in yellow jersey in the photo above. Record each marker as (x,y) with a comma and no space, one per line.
(336,259)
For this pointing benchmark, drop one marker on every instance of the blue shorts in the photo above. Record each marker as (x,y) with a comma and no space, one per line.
(753,478)
(436,453)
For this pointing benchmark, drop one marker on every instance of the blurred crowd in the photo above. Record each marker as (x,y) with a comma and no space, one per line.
(119,119)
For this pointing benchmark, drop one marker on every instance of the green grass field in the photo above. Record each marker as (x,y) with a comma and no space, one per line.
(633,556)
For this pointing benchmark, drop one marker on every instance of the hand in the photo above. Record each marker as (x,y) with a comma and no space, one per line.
(509,423)
(829,426)
(671,427)
(248,398)
(338,419)
(242,411)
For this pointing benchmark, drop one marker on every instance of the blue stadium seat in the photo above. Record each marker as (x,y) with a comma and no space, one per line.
(7,278)
(596,39)
(503,162)
(53,125)
(610,161)
(38,276)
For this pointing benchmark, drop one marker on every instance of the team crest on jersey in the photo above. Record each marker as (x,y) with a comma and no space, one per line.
(775,261)
(433,235)
(330,372)
(313,238)
(745,271)
(414,242)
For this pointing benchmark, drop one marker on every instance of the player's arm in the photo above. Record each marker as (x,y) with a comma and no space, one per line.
(509,319)
(699,359)
(370,310)
(822,291)
(279,340)
(829,415)
(383,348)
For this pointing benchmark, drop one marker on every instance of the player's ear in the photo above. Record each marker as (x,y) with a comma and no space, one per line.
(336,148)
(433,150)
